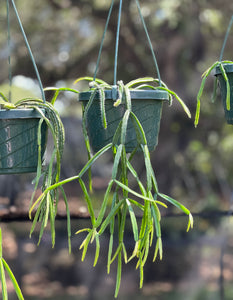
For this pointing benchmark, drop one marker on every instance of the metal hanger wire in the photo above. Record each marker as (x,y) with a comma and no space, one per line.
(27,45)
(117,41)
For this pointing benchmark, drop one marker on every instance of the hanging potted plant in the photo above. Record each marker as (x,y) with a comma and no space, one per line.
(106,103)
(115,118)
(20,123)
(24,126)
(223,72)
(142,203)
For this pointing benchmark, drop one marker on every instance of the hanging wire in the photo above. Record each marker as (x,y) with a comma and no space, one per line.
(226,37)
(29,50)
(117,42)
(102,41)
(9,50)
(149,41)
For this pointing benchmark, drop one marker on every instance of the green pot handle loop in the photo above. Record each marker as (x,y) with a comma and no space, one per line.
(27,45)
(226,37)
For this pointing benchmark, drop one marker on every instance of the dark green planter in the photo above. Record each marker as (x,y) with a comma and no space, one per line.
(147,106)
(229,71)
(18,140)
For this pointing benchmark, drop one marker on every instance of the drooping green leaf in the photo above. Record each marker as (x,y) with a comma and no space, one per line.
(110,247)
(175,203)
(88,201)
(110,216)
(124,253)
(85,244)
(0,242)
(228,95)
(141,137)
(97,252)
(87,78)
(3,280)
(184,106)
(149,173)
(181,207)
(4,98)
(124,126)
(116,254)
(116,161)
(133,220)
(13,280)
(102,107)
(119,271)
(124,187)
(158,249)
(140,81)
(68,218)
(104,205)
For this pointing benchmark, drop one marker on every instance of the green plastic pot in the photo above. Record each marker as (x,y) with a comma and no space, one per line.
(229,71)
(19,140)
(146,105)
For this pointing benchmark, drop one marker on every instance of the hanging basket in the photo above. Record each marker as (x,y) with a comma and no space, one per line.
(229,71)
(19,140)
(146,105)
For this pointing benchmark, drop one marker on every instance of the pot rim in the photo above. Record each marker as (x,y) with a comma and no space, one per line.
(20,113)
(157,94)
(228,67)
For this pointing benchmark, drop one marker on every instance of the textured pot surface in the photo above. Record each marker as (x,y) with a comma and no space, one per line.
(19,140)
(146,105)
